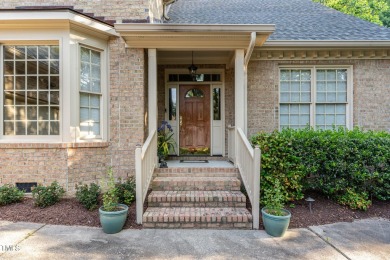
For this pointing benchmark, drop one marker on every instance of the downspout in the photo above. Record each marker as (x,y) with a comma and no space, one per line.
(165,11)
(247,57)
(250,48)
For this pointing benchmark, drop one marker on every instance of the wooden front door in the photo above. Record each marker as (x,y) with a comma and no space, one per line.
(194,119)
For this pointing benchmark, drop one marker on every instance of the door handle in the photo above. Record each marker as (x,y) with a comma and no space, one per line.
(180,121)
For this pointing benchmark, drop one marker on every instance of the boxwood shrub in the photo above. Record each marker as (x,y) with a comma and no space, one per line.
(88,196)
(126,191)
(45,196)
(10,194)
(350,166)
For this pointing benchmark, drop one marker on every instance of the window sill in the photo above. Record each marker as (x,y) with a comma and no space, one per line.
(53,145)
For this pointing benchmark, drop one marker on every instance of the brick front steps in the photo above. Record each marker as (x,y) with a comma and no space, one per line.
(197,198)
(195,183)
(189,217)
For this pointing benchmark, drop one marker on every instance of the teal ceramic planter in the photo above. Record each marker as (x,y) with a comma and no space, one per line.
(276,225)
(113,221)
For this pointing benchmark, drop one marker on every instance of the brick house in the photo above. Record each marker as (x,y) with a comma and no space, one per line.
(84,82)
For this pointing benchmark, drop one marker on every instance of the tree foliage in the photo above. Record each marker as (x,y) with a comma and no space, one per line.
(375,11)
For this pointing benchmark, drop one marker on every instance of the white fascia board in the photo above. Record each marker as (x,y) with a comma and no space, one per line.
(31,16)
(137,27)
(335,43)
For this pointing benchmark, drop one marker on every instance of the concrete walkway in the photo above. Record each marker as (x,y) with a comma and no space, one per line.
(364,239)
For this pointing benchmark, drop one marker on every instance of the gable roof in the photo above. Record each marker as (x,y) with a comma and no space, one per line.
(294,19)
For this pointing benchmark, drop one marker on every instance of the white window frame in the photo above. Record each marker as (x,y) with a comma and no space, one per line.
(102,97)
(313,102)
(68,41)
(32,138)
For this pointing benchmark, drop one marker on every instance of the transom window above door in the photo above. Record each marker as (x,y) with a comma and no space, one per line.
(318,96)
(190,78)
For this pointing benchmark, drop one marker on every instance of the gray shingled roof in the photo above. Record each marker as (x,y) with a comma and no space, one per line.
(294,19)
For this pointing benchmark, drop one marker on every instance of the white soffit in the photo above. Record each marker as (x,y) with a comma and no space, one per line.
(52,19)
(192,36)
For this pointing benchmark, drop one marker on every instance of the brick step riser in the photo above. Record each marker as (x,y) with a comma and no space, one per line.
(222,204)
(198,225)
(194,184)
(194,188)
(198,174)
(195,218)
(196,170)
(198,158)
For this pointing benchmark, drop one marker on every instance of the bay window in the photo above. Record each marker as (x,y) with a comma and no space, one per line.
(53,77)
(90,92)
(31,90)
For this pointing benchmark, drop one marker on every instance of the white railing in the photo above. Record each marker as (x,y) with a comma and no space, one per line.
(145,163)
(247,160)
(231,142)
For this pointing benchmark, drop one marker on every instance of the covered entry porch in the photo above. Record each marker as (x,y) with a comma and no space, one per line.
(200,108)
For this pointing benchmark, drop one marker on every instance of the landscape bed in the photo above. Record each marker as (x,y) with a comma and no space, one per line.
(70,212)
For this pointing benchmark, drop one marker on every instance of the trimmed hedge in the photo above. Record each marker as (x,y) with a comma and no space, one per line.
(350,166)
(279,164)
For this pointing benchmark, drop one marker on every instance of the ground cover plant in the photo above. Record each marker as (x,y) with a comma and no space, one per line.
(349,166)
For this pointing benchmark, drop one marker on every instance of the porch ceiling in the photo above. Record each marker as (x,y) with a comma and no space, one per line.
(192,37)
(166,57)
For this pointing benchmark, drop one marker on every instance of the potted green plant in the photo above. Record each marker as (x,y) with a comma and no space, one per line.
(165,142)
(275,218)
(112,214)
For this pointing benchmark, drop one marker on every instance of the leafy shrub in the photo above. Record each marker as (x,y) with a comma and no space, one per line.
(165,139)
(110,196)
(354,200)
(279,164)
(126,191)
(10,194)
(88,196)
(347,165)
(345,159)
(274,199)
(47,195)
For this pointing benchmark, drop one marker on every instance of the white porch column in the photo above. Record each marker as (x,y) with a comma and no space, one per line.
(239,91)
(152,89)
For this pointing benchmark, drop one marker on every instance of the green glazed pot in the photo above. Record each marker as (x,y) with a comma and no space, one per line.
(113,221)
(275,225)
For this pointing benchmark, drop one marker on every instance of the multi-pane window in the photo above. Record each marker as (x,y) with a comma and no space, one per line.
(216,104)
(172,104)
(316,97)
(90,92)
(31,90)
(331,98)
(295,98)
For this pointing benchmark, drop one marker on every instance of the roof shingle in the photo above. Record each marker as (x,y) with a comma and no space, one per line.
(294,19)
